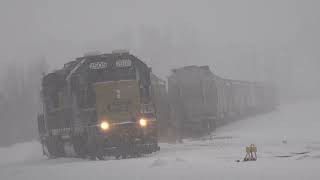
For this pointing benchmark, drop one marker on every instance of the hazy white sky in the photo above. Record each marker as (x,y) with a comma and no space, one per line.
(234,37)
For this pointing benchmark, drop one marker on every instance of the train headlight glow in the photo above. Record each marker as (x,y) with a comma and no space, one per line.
(104,125)
(143,122)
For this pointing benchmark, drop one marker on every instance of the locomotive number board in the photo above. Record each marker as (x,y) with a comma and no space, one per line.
(121,63)
(98,65)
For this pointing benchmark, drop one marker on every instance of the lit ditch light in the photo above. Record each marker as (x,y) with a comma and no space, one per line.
(143,122)
(104,125)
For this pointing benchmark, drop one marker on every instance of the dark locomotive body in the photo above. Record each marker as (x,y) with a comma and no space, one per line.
(101,105)
(202,101)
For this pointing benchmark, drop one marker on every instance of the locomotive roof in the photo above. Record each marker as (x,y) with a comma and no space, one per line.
(111,56)
(72,65)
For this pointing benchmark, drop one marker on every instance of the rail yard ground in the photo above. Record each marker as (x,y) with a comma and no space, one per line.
(288,142)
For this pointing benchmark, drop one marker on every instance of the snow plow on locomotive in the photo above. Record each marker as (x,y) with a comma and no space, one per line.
(100,105)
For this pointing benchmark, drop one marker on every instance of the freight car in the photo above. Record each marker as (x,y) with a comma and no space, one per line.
(201,100)
(98,105)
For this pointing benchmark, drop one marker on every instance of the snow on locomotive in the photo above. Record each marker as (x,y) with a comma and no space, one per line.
(101,105)
(201,100)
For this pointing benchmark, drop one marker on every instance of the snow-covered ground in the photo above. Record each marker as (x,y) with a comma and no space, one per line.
(298,124)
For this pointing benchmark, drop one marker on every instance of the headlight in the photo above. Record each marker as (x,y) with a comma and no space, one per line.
(143,122)
(104,126)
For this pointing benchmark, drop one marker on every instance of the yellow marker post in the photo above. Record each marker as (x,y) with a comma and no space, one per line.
(251,153)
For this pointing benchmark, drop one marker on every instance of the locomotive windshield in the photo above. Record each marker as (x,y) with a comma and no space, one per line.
(102,69)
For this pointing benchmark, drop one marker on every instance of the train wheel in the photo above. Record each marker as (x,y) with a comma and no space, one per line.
(48,150)
(124,156)
(92,157)
(95,149)
(100,157)
(118,156)
(99,152)
(79,146)
(54,147)
(91,148)
(45,149)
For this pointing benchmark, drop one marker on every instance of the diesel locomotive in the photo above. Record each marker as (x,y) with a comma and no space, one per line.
(101,105)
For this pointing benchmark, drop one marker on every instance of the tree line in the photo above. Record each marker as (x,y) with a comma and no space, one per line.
(20,101)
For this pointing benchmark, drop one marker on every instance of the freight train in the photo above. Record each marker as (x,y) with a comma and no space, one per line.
(102,105)
(113,105)
(202,101)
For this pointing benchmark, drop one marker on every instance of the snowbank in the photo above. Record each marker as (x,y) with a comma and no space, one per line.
(21,152)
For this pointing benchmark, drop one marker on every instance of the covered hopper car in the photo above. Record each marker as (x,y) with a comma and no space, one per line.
(201,100)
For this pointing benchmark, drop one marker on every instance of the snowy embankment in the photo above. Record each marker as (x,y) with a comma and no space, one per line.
(19,153)
(298,158)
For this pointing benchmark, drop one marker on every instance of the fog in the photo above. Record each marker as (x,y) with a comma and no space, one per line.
(258,40)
